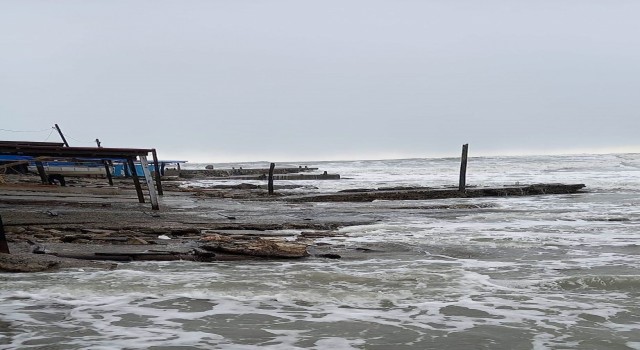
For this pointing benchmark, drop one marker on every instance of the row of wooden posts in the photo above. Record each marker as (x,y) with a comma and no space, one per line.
(462,184)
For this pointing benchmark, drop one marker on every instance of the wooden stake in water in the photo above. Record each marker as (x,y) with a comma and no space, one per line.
(463,168)
(273,165)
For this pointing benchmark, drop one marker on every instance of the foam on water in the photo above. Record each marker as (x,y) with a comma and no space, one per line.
(494,273)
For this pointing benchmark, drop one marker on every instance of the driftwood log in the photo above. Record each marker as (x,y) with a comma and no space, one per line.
(258,247)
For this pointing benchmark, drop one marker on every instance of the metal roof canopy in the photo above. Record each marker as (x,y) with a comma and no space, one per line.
(31,143)
(72,152)
(51,149)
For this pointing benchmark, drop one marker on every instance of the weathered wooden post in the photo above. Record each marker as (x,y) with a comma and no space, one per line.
(4,248)
(463,168)
(273,165)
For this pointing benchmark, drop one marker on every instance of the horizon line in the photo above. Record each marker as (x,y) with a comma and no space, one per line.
(381,157)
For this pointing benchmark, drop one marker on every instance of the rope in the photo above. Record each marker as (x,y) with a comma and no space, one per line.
(43,130)
(76,140)
(48,136)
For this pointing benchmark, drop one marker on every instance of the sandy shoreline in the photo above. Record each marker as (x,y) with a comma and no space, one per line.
(89,218)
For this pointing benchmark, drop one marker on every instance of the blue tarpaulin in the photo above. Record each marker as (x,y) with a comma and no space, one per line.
(10,158)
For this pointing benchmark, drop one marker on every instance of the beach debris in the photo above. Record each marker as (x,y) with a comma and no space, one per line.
(163,237)
(23,263)
(254,246)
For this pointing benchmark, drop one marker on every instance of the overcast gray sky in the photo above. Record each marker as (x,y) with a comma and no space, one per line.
(310,80)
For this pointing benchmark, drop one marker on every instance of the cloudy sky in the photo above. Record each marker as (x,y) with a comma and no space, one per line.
(238,80)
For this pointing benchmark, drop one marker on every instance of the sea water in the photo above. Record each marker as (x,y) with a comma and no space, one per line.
(540,272)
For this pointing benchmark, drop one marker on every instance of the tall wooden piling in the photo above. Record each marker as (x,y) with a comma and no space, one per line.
(4,247)
(463,168)
(271,167)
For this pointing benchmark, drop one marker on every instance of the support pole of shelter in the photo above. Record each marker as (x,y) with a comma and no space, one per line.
(108,172)
(149,180)
(156,167)
(463,168)
(136,180)
(4,247)
(42,173)
(271,167)
(127,171)
(66,144)
(106,166)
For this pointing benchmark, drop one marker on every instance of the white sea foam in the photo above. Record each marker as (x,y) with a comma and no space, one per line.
(525,272)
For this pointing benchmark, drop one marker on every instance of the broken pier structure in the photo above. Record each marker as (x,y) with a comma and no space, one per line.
(47,151)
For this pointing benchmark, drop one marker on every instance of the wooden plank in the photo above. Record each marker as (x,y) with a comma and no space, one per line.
(147,177)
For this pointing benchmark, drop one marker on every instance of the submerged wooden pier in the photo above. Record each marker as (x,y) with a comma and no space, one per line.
(365,195)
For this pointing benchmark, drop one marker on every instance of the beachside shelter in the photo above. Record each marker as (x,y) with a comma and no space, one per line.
(48,151)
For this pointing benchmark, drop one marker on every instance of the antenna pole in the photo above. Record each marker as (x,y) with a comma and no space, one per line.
(62,136)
